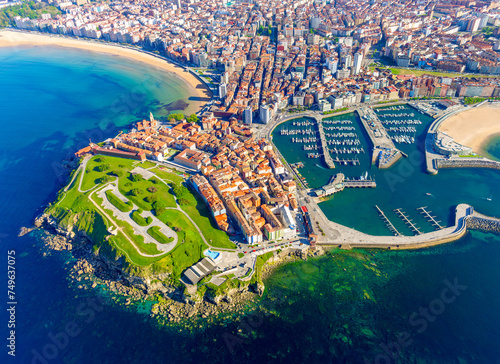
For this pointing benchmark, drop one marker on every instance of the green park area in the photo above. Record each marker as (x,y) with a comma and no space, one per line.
(419,72)
(27,9)
(115,238)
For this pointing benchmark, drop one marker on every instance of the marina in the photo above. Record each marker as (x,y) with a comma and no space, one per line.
(432,219)
(388,222)
(408,221)
(348,205)
(401,126)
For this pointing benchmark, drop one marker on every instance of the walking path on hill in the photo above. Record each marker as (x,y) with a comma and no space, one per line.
(124,234)
(140,230)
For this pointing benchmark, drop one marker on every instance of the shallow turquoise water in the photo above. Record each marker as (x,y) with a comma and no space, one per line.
(339,308)
(493,148)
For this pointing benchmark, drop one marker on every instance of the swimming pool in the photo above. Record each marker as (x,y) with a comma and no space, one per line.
(211,254)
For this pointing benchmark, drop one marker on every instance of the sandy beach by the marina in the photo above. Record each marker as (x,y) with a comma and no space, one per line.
(474,128)
(197,90)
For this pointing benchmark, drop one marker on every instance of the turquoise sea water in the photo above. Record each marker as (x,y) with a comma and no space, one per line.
(493,148)
(345,307)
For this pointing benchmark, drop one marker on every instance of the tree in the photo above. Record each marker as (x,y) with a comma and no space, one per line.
(135,192)
(193,118)
(136,177)
(176,116)
(152,189)
(160,207)
(102,167)
(103,180)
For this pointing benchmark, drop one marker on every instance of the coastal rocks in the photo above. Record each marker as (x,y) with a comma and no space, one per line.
(56,242)
(481,224)
(24,231)
(257,288)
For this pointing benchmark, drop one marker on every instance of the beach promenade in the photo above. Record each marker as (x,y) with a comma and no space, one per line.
(436,160)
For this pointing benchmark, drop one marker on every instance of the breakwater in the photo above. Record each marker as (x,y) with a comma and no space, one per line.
(347,238)
(483,223)
(466,163)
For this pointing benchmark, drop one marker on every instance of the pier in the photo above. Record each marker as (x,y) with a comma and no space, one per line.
(360,183)
(388,223)
(345,162)
(384,149)
(407,221)
(324,144)
(347,238)
(429,217)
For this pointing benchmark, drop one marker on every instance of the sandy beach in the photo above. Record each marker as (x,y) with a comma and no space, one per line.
(474,128)
(196,88)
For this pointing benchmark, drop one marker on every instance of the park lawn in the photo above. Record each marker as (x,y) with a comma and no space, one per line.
(168,176)
(118,203)
(92,175)
(419,72)
(125,248)
(145,248)
(198,211)
(155,232)
(190,246)
(125,185)
(147,164)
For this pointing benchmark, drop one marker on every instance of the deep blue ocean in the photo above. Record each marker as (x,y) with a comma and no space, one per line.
(438,305)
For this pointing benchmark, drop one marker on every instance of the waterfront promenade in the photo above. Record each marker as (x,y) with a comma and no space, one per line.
(435,160)
(347,238)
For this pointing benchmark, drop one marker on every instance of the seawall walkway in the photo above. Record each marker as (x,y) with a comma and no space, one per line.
(347,238)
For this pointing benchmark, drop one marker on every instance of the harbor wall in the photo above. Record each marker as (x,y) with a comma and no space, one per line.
(483,224)
(466,163)
(473,222)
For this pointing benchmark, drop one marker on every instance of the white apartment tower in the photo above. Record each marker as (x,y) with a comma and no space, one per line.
(222,90)
(265,114)
(247,115)
(358,60)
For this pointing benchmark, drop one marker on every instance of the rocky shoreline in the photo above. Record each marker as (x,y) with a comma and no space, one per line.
(173,305)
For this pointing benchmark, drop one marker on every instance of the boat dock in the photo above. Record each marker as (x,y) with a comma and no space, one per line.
(388,223)
(432,219)
(383,145)
(345,162)
(407,221)
(324,144)
(360,183)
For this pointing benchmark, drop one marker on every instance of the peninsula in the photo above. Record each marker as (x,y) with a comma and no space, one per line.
(195,207)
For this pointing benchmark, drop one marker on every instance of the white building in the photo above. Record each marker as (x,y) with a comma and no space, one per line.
(247,115)
(358,60)
(222,90)
(265,114)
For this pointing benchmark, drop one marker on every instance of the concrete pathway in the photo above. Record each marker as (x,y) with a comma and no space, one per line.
(118,228)
(138,229)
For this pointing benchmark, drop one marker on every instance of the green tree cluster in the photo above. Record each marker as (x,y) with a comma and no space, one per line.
(29,9)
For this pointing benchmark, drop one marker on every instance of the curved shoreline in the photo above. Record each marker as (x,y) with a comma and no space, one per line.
(474,127)
(485,144)
(198,89)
